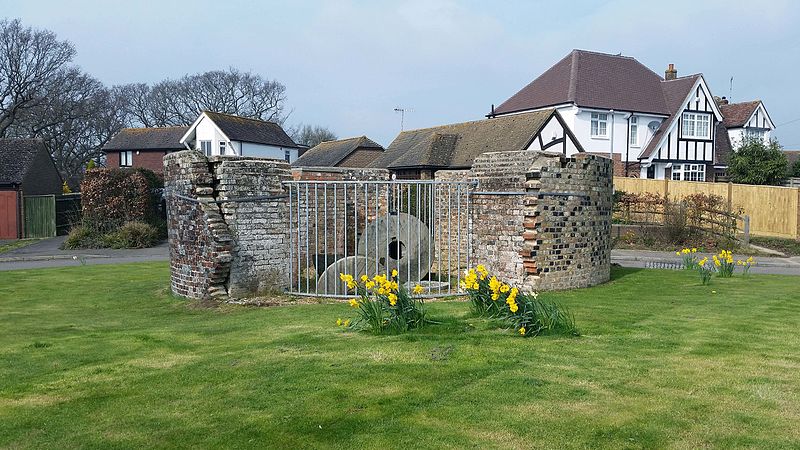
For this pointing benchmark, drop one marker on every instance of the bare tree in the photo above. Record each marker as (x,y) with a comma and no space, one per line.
(178,102)
(310,135)
(33,64)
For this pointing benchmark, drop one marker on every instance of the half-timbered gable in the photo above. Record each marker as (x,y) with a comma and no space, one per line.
(687,137)
(747,119)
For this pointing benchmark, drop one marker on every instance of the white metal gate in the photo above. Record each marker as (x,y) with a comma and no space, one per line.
(419,228)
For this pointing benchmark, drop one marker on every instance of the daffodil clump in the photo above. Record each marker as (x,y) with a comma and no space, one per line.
(383,305)
(689,257)
(724,264)
(705,270)
(524,312)
(746,264)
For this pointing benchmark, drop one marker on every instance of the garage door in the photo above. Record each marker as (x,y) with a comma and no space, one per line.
(8,215)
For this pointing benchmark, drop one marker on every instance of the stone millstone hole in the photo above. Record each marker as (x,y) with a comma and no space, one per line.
(396,249)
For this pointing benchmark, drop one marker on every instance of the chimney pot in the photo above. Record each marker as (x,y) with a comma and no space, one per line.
(671,73)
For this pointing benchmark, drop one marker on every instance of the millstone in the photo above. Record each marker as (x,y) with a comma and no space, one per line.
(329,282)
(402,242)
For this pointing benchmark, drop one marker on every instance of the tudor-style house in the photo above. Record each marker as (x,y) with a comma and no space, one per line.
(224,134)
(652,127)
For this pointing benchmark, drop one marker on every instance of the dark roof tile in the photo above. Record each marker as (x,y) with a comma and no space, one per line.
(157,138)
(16,157)
(251,130)
(737,114)
(331,153)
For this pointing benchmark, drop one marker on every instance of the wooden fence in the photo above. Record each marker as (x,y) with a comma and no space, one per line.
(774,211)
(40,216)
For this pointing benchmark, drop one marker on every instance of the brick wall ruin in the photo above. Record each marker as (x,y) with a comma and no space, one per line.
(543,222)
(540,221)
(226,249)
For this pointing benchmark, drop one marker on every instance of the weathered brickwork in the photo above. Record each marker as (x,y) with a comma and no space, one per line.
(543,222)
(199,239)
(257,222)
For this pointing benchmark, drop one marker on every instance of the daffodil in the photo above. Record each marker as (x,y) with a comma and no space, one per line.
(339,322)
(354,303)
(392,299)
(513,307)
(522,331)
(418,290)
(346,323)
(394,273)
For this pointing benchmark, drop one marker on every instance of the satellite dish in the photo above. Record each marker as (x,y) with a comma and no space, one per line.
(653,125)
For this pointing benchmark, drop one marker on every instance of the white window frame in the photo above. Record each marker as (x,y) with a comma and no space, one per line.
(205,147)
(126,158)
(691,122)
(598,125)
(633,133)
(689,172)
(287,155)
(757,133)
(223,147)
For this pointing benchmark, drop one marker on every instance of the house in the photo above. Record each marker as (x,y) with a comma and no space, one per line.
(143,147)
(652,126)
(418,154)
(26,169)
(224,134)
(746,119)
(352,152)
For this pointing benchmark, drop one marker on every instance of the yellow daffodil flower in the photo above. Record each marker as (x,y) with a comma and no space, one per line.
(354,303)
(522,331)
(392,299)
(339,322)
(418,290)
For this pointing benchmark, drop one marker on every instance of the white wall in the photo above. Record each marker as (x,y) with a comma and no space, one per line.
(579,121)
(207,131)
(551,131)
(267,151)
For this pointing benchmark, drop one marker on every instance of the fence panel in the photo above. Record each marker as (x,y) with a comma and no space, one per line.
(40,216)
(8,215)
(68,212)
(773,210)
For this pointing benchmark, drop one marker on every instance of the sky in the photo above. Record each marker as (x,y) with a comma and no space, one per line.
(348,65)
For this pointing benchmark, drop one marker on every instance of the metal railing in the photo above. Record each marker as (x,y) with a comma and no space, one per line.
(419,228)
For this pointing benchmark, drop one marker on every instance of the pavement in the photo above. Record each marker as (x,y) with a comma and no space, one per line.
(669,260)
(47,253)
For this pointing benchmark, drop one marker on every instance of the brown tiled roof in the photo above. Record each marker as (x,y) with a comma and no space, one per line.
(457,145)
(251,130)
(594,80)
(331,153)
(675,92)
(737,114)
(792,155)
(161,138)
(16,157)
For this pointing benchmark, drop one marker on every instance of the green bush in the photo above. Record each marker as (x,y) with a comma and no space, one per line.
(754,162)
(132,235)
(81,236)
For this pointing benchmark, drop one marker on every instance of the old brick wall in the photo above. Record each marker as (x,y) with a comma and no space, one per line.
(257,222)
(543,221)
(226,249)
(199,239)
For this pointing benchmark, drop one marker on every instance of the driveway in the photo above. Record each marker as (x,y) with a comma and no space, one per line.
(47,253)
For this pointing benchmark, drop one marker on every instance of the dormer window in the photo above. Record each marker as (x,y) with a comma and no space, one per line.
(696,126)
(599,125)
(754,133)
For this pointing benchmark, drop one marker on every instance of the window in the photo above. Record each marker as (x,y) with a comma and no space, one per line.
(126,159)
(634,131)
(696,125)
(287,155)
(221,147)
(689,172)
(599,124)
(205,147)
(754,133)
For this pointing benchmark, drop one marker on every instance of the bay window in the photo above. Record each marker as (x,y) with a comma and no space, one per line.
(689,172)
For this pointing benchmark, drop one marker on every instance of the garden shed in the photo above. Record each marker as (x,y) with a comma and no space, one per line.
(29,183)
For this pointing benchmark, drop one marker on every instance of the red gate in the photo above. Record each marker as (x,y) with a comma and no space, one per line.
(8,215)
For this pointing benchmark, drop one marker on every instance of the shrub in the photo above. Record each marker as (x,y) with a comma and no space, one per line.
(132,235)
(111,197)
(383,305)
(524,312)
(754,162)
(82,237)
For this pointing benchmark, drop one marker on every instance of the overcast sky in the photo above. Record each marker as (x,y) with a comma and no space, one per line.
(348,64)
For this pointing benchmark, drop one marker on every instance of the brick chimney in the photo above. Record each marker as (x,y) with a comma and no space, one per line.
(671,73)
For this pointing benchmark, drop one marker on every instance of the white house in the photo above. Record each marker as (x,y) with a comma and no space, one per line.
(747,119)
(223,134)
(652,127)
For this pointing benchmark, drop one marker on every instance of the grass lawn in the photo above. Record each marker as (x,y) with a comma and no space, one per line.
(103,356)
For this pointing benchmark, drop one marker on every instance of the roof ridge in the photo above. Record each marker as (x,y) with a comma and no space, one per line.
(594,52)
(240,117)
(573,76)
(501,117)
(698,74)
